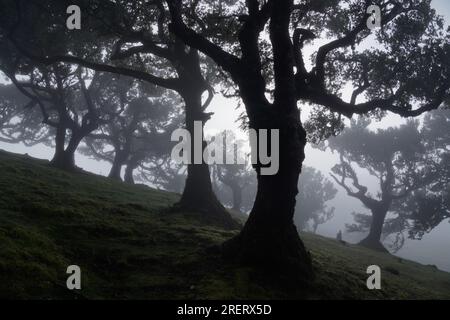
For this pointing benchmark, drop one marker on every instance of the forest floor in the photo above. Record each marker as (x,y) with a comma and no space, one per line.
(129,246)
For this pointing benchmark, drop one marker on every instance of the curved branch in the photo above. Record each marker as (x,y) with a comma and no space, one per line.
(227,61)
(169,83)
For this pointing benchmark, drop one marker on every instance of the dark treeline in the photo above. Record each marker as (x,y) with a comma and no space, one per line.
(118,87)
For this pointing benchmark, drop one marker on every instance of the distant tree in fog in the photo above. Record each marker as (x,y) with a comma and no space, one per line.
(314,190)
(430,205)
(131,39)
(68,106)
(402,161)
(234,184)
(141,119)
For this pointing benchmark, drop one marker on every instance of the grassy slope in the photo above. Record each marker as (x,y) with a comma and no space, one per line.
(129,245)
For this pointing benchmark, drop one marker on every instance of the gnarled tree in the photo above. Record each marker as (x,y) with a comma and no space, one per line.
(131,39)
(407,74)
(399,158)
(66,104)
(234,182)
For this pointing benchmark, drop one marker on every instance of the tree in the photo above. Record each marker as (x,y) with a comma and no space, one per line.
(314,190)
(260,46)
(141,120)
(399,159)
(65,102)
(408,75)
(132,40)
(428,206)
(235,177)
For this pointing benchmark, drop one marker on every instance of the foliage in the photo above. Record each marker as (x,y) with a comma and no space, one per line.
(411,166)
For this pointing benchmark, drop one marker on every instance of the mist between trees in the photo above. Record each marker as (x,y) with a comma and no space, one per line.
(116,89)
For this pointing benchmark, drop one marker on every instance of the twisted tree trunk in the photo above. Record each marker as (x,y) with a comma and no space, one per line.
(116,168)
(270,239)
(131,166)
(119,161)
(64,158)
(373,239)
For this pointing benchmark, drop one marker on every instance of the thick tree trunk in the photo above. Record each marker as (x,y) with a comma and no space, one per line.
(60,140)
(270,239)
(198,195)
(116,168)
(129,174)
(373,239)
(132,164)
(65,158)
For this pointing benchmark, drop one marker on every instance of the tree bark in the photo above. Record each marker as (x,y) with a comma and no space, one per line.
(373,239)
(270,239)
(64,158)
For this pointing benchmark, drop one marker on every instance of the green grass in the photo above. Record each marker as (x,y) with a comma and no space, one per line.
(129,246)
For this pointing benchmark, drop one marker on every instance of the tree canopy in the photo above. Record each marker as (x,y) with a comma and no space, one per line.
(406,162)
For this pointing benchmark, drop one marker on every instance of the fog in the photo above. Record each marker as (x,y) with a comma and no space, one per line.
(347,102)
(430,250)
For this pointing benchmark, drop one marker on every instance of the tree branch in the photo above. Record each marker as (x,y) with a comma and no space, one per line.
(227,61)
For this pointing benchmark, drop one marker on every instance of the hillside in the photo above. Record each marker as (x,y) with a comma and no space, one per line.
(129,245)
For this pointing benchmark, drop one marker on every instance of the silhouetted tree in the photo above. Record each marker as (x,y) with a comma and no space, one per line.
(141,122)
(398,158)
(131,39)
(66,103)
(236,177)
(260,46)
(428,206)
(407,75)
